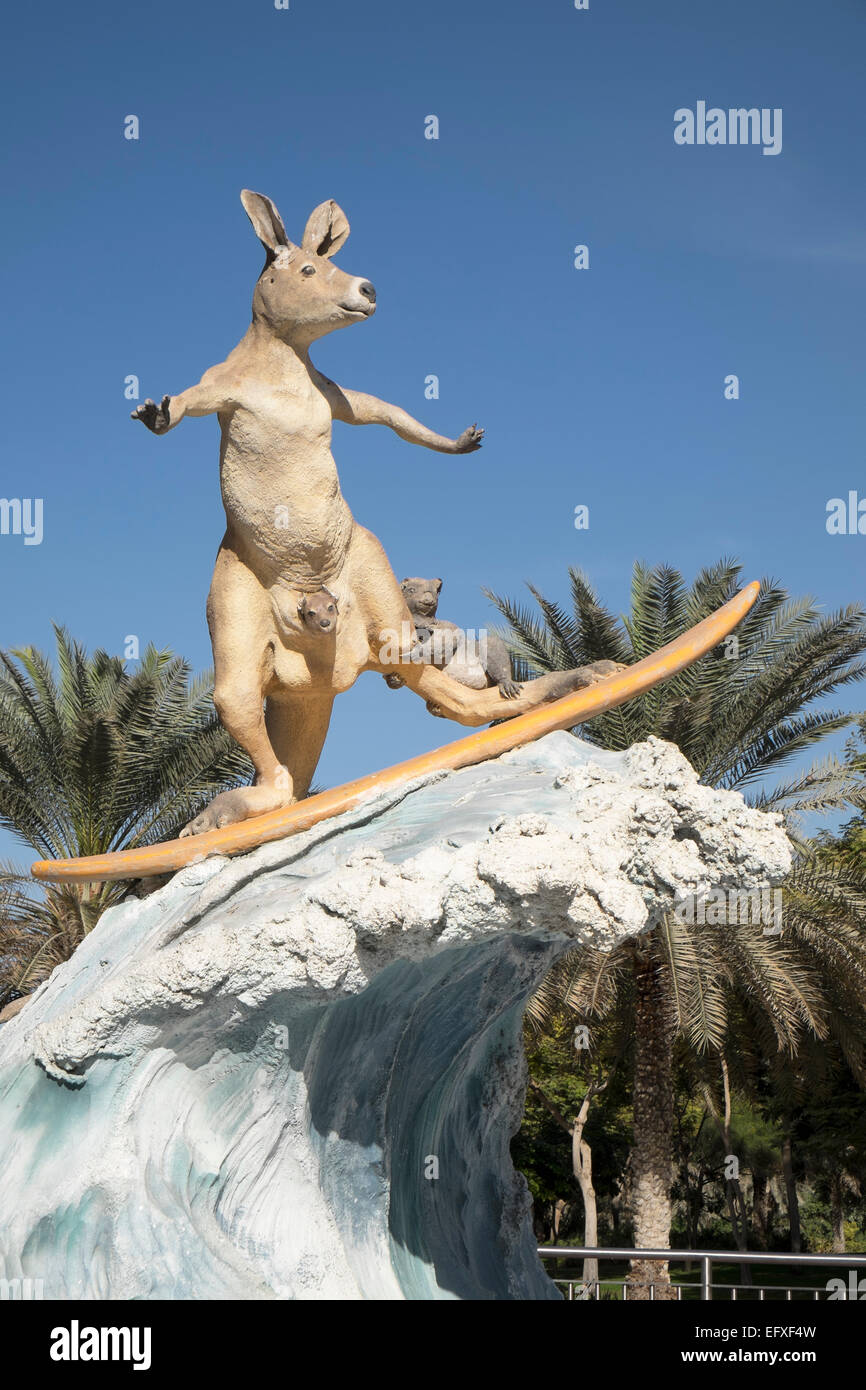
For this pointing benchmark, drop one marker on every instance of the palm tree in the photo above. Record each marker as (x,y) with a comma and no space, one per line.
(738,714)
(95,757)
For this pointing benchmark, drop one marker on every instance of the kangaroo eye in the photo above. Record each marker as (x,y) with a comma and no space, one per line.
(308,270)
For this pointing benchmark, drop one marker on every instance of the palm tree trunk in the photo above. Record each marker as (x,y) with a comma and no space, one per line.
(652,1152)
(733,1189)
(739,1224)
(761,1209)
(791,1198)
(558,1208)
(837,1214)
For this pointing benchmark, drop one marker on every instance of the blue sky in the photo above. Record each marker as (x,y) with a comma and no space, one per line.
(601,387)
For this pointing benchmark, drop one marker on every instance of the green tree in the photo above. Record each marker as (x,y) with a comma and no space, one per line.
(739,714)
(95,757)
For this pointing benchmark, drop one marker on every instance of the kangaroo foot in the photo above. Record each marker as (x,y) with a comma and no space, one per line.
(238,804)
(561,683)
(556,684)
(509,690)
(477,707)
(605,668)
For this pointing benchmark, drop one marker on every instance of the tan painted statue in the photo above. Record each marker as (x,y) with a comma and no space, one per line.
(303,598)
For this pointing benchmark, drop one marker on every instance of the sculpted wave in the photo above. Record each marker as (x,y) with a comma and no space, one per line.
(296,1074)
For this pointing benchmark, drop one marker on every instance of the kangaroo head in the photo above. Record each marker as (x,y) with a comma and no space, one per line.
(422,596)
(319,611)
(300,295)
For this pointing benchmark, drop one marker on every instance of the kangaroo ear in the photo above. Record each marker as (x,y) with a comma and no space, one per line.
(267,223)
(326,230)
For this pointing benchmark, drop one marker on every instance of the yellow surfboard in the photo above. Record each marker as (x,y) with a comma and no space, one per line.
(487,743)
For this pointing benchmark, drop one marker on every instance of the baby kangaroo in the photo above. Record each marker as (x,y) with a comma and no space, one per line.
(289,532)
(319,611)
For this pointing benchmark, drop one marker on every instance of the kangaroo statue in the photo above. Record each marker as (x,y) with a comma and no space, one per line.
(290,533)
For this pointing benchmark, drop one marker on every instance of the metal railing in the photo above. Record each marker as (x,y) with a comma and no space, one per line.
(706,1259)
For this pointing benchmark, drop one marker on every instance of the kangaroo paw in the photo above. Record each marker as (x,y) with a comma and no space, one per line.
(561,683)
(509,690)
(237,805)
(470,440)
(156,417)
(600,670)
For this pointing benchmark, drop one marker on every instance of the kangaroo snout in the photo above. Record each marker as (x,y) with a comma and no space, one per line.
(363,301)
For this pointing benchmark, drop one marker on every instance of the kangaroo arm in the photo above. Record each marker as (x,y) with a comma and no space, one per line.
(498,663)
(356,408)
(208,397)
